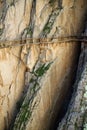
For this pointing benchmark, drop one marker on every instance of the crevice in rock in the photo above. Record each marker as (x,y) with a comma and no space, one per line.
(28,32)
(69,95)
(75,113)
(50,22)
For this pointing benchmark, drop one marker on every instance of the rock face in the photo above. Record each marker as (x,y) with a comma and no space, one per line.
(75,117)
(47,89)
(45,70)
(47,18)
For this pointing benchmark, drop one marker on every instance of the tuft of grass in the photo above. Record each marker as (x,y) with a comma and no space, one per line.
(29,31)
(41,70)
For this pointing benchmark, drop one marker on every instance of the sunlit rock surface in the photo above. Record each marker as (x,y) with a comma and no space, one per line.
(27,18)
(45,18)
(45,99)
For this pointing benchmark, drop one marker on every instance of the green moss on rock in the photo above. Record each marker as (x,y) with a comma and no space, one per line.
(50,22)
(28,105)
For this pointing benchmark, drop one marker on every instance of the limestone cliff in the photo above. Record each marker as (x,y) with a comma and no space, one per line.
(43,73)
(75,117)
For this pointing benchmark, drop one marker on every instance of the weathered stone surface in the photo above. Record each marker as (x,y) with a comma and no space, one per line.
(48,19)
(53,86)
(75,117)
(45,18)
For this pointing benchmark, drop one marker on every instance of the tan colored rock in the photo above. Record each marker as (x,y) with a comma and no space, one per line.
(17,19)
(11,76)
(15,61)
(53,84)
(11,84)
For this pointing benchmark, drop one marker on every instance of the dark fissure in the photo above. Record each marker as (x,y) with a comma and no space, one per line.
(66,102)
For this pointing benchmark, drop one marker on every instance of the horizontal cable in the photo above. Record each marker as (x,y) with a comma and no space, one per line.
(27,41)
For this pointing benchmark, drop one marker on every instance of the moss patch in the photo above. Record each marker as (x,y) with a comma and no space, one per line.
(50,22)
(27,107)
(1,31)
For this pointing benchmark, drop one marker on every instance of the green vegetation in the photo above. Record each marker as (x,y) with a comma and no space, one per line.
(27,107)
(51,2)
(26,111)
(50,22)
(29,31)
(38,73)
(1,31)
(41,70)
(76,126)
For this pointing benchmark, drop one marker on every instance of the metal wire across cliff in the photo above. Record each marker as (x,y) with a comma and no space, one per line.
(22,42)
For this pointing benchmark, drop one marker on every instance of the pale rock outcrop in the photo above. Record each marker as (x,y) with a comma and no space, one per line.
(45,20)
(47,90)
(17,19)
(11,66)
